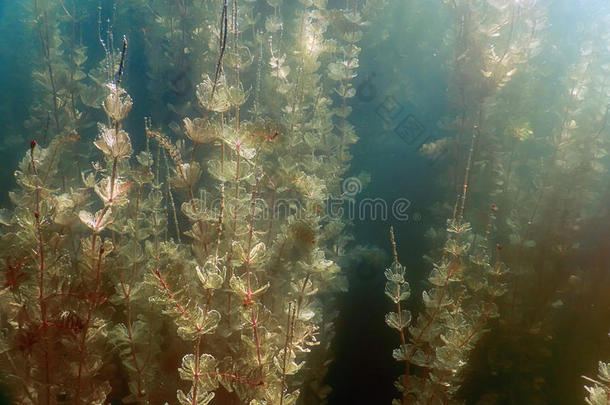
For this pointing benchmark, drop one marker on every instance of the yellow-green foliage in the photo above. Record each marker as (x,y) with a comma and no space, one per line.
(465,281)
(598,393)
(181,251)
(534,142)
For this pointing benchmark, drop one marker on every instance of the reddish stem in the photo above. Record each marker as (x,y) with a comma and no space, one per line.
(241,379)
(92,306)
(172,298)
(41,299)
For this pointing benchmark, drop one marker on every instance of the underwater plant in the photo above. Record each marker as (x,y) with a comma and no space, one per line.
(530,161)
(63,97)
(466,280)
(492,42)
(188,232)
(599,392)
(189,256)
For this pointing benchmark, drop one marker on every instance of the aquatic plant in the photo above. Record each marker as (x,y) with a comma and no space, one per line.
(241,278)
(599,392)
(190,259)
(59,72)
(490,44)
(466,280)
(530,163)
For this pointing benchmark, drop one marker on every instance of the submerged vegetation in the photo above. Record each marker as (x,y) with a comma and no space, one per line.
(528,140)
(99,262)
(169,237)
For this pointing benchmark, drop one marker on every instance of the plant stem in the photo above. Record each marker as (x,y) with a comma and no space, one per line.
(196,375)
(91,308)
(287,344)
(403,341)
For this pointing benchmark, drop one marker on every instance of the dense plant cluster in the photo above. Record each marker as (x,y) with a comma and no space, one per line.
(531,143)
(218,224)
